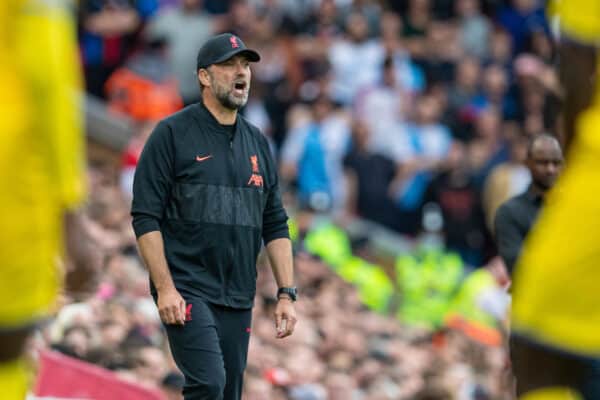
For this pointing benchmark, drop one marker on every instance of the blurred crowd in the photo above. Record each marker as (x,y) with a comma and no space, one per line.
(381,110)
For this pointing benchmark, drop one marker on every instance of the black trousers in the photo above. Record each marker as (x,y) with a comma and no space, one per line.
(211,349)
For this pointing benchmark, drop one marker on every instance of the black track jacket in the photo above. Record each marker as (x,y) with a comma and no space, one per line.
(213,196)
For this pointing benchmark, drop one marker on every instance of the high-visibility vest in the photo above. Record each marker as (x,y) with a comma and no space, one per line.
(330,243)
(427,282)
(374,286)
(466,313)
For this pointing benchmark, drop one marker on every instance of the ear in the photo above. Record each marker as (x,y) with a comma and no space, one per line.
(204,77)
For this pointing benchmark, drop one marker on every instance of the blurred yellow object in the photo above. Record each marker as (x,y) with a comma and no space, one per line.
(551,394)
(556,296)
(13,377)
(578,19)
(41,152)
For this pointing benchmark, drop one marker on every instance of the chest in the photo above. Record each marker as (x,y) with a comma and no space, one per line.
(527,215)
(214,158)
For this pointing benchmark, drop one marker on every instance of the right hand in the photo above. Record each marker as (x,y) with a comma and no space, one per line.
(171,307)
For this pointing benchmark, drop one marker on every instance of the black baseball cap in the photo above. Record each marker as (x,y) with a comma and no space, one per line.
(221,48)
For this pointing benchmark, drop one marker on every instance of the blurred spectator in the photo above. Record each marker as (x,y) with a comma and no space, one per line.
(184,29)
(370,9)
(172,386)
(324,21)
(312,156)
(340,386)
(474,28)
(489,148)
(256,112)
(369,175)
(112,334)
(383,105)
(355,60)
(420,147)
(520,19)
(150,366)
(76,342)
(459,199)
(218,7)
(537,93)
(277,78)
(145,87)
(500,48)
(408,75)
(540,44)
(107,34)
(417,18)
(495,92)
(307,392)
(461,94)
(240,18)
(441,51)
(515,217)
(131,155)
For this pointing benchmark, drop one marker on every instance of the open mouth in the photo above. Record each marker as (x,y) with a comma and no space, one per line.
(239,87)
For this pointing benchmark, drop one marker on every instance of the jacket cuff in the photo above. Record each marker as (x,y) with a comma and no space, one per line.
(282,233)
(143,224)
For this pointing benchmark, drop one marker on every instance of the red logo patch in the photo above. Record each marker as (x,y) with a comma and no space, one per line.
(248,330)
(254,162)
(188,312)
(234,43)
(255,179)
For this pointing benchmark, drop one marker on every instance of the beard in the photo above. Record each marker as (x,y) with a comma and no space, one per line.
(225,95)
(544,184)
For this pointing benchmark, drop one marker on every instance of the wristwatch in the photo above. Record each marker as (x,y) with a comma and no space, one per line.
(292,292)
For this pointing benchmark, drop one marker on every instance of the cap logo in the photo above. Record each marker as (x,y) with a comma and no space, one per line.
(234,43)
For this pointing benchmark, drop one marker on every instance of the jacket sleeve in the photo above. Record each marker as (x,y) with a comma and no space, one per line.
(508,237)
(152,181)
(274,216)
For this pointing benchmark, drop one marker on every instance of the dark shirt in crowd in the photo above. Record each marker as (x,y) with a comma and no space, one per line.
(465,230)
(374,173)
(512,223)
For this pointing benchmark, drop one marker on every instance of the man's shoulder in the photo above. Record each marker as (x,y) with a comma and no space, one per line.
(181,117)
(175,126)
(185,113)
(509,206)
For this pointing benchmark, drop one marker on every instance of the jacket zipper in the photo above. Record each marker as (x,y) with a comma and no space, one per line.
(231,235)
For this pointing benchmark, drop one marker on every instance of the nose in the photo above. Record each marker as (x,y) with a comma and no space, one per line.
(241,69)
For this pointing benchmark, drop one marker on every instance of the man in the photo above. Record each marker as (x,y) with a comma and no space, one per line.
(556,300)
(41,169)
(205,191)
(516,216)
(184,28)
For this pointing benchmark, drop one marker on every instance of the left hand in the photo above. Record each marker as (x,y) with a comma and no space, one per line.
(285,317)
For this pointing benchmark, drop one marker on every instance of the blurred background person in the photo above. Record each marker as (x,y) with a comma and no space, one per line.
(515,218)
(42,134)
(556,324)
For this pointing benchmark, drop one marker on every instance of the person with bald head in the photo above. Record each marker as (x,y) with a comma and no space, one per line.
(517,215)
(515,218)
